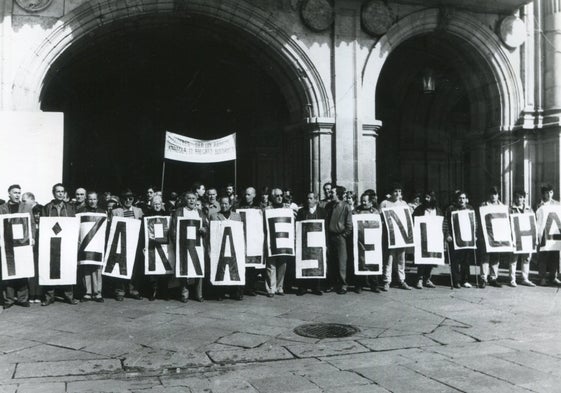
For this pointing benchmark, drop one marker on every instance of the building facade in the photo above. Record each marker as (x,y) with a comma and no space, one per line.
(437,95)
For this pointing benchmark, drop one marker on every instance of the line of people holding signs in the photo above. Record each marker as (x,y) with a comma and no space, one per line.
(229,248)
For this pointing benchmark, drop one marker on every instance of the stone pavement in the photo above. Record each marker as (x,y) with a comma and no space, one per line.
(430,340)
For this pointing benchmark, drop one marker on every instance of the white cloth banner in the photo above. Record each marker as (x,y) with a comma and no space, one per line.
(524,232)
(495,225)
(16,237)
(311,249)
(58,250)
(367,244)
(93,227)
(254,237)
(549,227)
(399,226)
(463,229)
(158,254)
(280,232)
(227,253)
(183,148)
(429,240)
(189,248)
(122,244)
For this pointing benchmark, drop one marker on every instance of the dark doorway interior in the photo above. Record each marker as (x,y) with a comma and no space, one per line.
(121,88)
(423,142)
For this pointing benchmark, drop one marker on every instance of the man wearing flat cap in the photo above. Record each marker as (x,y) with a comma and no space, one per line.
(129,211)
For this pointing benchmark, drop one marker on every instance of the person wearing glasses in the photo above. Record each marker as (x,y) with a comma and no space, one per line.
(130,211)
(276,266)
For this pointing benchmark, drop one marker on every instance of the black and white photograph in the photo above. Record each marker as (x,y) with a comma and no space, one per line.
(270,196)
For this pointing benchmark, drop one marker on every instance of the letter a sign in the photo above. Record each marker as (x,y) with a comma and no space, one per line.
(121,247)
(227,253)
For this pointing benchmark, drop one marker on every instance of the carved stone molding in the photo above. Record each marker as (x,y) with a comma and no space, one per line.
(317,14)
(376,17)
(34,5)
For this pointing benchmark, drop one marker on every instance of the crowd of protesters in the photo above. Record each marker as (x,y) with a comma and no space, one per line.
(336,207)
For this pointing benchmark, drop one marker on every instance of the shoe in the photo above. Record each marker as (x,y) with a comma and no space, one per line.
(98,299)
(495,283)
(47,302)
(457,285)
(512,284)
(330,289)
(119,298)
(429,284)
(543,282)
(385,287)
(23,304)
(375,289)
(404,285)
(317,292)
(357,290)
(528,283)
(482,284)
(85,299)
(341,291)
(556,281)
(280,293)
(419,285)
(300,292)
(71,301)
(185,299)
(200,299)
(152,296)
(251,293)
(270,295)
(7,306)
(135,296)
(467,285)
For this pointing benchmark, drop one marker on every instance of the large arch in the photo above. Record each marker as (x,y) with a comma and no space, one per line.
(487,50)
(296,72)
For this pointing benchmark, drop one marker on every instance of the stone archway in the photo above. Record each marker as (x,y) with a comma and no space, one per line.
(309,102)
(484,43)
(495,90)
(295,68)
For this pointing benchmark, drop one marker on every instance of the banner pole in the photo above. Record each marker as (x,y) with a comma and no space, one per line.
(235,178)
(163,176)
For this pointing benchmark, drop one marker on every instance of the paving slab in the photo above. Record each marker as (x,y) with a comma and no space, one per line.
(399,379)
(282,385)
(50,387)
(400,342)
(112,385)
(337,379)
(157,359)
(69,367)
(243,340)
(326,349)
(250,355)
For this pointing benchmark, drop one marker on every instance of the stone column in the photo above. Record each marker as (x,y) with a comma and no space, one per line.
(552,54)
(5,41)
(321,152)
(367,157)
(347,79)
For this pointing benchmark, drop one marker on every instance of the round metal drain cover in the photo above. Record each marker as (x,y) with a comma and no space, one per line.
(325,330)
